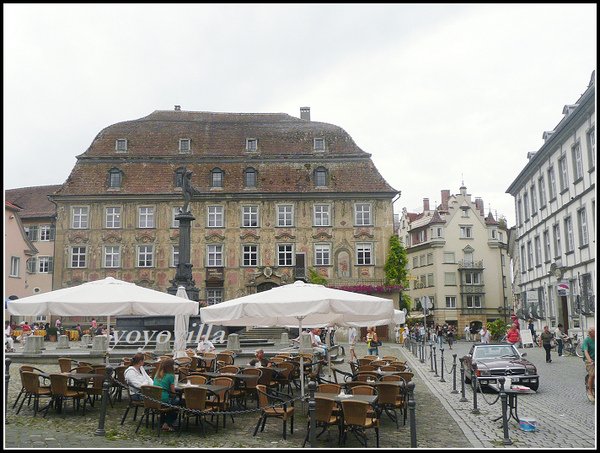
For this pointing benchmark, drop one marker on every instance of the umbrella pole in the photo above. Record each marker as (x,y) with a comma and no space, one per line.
(301,358)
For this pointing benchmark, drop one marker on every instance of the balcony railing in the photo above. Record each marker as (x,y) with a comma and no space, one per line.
(464,264)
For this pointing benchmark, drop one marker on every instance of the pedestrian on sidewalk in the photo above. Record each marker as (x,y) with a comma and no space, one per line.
(559,336)
(545,340)
(467,333)
(485,335)
(352,334)
(589,358)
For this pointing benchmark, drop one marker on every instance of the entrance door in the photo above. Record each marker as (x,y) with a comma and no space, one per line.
(299,267)
(265,286)
(565,313)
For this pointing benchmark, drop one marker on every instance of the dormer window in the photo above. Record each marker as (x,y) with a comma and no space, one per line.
(216,178)
(319,144)
(251,144)
(115,178)
(320,177)
(121,145)
(250,178)
(179,177)
(185,145)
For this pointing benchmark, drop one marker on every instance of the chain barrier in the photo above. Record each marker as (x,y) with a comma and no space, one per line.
(479,388)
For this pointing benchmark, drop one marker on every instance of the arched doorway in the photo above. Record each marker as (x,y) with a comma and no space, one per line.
(265,286)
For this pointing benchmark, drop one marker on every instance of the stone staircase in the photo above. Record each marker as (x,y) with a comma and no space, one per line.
(257,333)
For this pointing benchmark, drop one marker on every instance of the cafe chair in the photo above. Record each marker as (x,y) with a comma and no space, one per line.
(61,392)
(366,368)
(406,375)
(267,378)
(285,378)
(131,403)
(252,383)
(95,390)
(357,420)
(388,401)
(224,359)
(274,404)
(32,389)
(366,376)
(66,364)
(195,379)
(364,390)
(326,415)
(390,368)
(329,388)
(29,368)
(341,377)
(183,361)
(221,401)
(195,401)
(390,358)
(118,383)
(365,361)
(152,406)
(378,363)
(229,369)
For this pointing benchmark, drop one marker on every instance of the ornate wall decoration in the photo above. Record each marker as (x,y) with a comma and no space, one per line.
(214,237)
(111,237)
(78,237)
(249,236)
(364,234)
(322,236)
(145,237)
(284,235)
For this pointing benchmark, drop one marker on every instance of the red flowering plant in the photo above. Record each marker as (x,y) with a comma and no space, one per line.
(370,289)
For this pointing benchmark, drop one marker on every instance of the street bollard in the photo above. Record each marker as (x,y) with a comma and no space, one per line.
(442,364)
(423,351)
(431,356)
(435,363)
(105,396)
(7,363)
(462,382)
(503,397)
(312,405)
(411,414)
(454,374)
(474,383)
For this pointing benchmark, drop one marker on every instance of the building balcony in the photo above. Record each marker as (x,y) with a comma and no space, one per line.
(472,289)
(462,264)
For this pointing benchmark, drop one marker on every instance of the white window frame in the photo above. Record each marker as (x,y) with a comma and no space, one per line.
(215,216)
(449,278)
(563,173)
(15,266)
(533,193)
(121,145)
(552,189)
(43,264)
(80,217)
(449,257)
(523,258)
(364,254)
(319,144)
(249,255)
(146,217)
(250,184)
(556,240)
(285,215)
(537,242)
(591,146)
(112,219)
(542,191)
(450,301)
(250,216)
(78,257)
(363,214)
(111,256)
(577,161)
(525,206)
(322,215)
(466,231)
(285,255)
(144,256)
(475,301)
(322,254)
(530,262)
(252,145)
(217,182)
(547,245)
(45,232)
(214,296)
(115,178)
(175,213)
(583,228)
(569,236)
(214,255)
(473,278)
(174,255)
(185,145)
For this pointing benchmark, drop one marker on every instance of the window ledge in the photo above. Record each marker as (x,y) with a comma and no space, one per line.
(585,246)
(552,199)
(564,191)
(570,252)
(578,180)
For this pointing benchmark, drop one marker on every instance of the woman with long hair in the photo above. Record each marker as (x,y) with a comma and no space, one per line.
(372,342)
(165,378)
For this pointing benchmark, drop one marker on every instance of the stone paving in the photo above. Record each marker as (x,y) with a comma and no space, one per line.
(565,418)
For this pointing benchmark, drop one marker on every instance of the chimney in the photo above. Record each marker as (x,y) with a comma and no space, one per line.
(305,113)
(479,205)
(177,108)
(425,204)
(445,198)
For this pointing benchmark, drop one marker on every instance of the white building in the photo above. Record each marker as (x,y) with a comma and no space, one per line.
(555,201)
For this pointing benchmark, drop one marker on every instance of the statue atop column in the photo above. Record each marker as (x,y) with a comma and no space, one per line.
(188,190)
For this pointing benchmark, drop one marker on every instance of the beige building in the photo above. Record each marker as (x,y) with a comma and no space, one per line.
(457,257)
(17,250)
(555,235)
(277,196)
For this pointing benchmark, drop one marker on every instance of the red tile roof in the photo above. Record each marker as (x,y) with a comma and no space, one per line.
(33,200)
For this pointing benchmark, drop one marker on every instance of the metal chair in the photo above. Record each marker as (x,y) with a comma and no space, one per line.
(274,406)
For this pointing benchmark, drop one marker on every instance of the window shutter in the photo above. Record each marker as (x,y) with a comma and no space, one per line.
(31,265)
(52,232)
(33,233)
(50,264)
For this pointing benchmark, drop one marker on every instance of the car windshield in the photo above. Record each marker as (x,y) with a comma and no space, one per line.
(495,351)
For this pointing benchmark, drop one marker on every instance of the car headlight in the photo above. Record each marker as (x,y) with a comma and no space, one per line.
(484,372)
(530,369)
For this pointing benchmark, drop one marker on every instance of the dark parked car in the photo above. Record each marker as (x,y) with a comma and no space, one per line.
(495,360)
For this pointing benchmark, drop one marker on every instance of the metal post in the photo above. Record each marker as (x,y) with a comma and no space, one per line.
(503,397)
(411,414)
(474,383)
(105,396)
(462,382)
(442,364)
(431,356)
(312,405)
(7,363)
(435,363)
(423,351)
(454,374)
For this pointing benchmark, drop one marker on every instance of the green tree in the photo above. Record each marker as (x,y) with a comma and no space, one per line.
(396,272)
(497,329)
(314,277)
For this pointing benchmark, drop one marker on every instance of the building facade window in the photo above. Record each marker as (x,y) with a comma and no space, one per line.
(583,228)
(79,217)
(174,255)
(179,174)
(563,176)
(449,257)
(15,263)
(430,280)
(519,212)
(551,183)
(112,217)
(322,254)
(322,215)
(466,232)
(591,147)
(542,191)
(216,218)
(145,256)
(415,262)
(112,256)
(450,301)
(577,162)
(47,232)
(362,214)
(556,238)
(214,255)
(529,255)
(320,177)
(216,178)
(214,296)
(319,144)
(525,206)
(569,238)
(285,254)
(523,258)
(285,215)
(473,301)
(533,200)
(364,254)
(547,249)
(78,257)
(185,145)
(250,178)
(252,144)
(450,278)
(472,278)
(146,217)
(174,213)
(44,264)
(115,178)
(249,216)
(429,258)
(538,250)
(250,255)
(121,145)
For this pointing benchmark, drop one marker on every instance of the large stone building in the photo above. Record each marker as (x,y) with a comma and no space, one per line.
(555,202)
(277,197)
(457,257)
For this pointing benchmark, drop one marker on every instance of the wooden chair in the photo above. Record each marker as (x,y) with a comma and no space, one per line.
(273,405)
(33,389)
(378,363)
(326,415)
(220,401)
(66,364)
(389,368)
(406,375)
(390,358)
(364,361)
(224,359)
(195,400)
(329,388)
(94,391)
(229,369)
(372,357)
(366,376)
(207,362)
(267,377)
(285,377)
(61,393)
(357,420)
(388,401)
(341,377)
(252,383)
(152,394)
(362,390)
(277,360)
(362,368)
(23,391)
(131,403)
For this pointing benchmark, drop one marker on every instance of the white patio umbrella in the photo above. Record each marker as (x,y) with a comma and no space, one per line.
(297,304)
(181,327)
(106,297)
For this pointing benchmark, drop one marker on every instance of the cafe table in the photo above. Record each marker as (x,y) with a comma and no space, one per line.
(513,393)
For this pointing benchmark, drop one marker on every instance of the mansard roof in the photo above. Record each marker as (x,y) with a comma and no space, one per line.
(33,200)
(489,220)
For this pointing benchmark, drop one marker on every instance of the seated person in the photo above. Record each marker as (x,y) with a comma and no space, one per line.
(205,345)
(259,358)
(136,376)
(318,346)
(9,343)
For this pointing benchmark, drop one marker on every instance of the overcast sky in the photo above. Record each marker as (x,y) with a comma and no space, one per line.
(438,94)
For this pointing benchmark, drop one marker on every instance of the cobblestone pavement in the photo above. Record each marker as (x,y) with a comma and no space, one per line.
(436,428)
(565,418)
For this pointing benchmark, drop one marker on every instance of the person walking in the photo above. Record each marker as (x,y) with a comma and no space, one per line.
(531,328)
(467,333)
(450,336)
(559,336)
(545,340)
(588,348)
(485,335)
(513,336)
(352,334)
(372,342)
